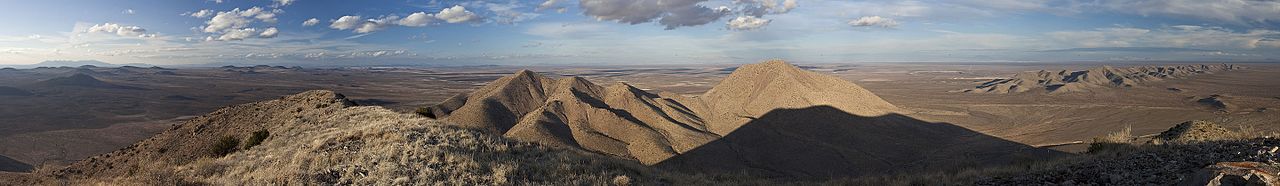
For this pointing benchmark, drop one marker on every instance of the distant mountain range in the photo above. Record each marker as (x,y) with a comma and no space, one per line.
(76,63)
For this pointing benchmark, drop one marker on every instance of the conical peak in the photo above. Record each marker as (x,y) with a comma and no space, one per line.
(773,64)
(525,73)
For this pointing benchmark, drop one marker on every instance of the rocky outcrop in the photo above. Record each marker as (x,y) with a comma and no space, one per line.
(1158,165)
(1193,131)
(1236,173)
(1088,80)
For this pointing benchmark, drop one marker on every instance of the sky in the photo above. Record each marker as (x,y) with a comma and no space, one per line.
(629,32)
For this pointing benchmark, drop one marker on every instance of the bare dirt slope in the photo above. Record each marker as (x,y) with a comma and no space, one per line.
(770,118)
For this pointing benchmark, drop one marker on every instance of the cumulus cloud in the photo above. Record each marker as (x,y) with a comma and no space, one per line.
(236,24)
(269,33)
(311,22)
(373,25)
(359,25)
(127,12)
(876,21)
(237,19)
(669,13)
(747,23)
(457,14)
(417,19)
(759,8)
(203,13)
(234,35)
(121,30)
(346,22)
(280,3)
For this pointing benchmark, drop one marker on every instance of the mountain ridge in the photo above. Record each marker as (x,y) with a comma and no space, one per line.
(685,131)
(1098,77)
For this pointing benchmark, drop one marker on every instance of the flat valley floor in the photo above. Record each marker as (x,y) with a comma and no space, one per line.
(55,122)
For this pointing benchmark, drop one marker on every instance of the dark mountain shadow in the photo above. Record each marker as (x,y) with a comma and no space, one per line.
(86,81)
(824,142)
(10,165)
(12,91)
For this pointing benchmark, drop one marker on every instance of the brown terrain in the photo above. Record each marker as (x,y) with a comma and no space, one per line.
(719,122)
(770,118)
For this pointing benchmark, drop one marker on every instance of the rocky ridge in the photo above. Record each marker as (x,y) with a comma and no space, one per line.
(1087,80)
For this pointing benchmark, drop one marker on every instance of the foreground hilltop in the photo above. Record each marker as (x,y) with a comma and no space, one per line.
(771,119)
(320,137)
(1087,80)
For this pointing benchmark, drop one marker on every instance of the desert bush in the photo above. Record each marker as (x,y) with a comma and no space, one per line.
(256,138)
(1118,140)
(225,145)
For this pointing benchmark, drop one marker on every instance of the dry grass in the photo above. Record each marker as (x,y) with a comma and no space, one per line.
(1119,140)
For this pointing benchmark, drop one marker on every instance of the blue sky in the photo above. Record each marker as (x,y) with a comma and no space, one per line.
(344,32)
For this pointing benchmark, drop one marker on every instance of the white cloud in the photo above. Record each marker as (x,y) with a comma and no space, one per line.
(121,30)
(237,19)
(359,25)
(270,32)
(127,12)
(311,22)
(417,19)
(203,13)
(237,24)
(457,14)
(237,34)
(878,21)
(346,22)
(670,13)
(373,25)
(759,8)
(747,23)
(280,3)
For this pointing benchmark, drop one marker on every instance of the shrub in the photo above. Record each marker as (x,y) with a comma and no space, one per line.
(256,138)
(224,146)
(1115,141)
